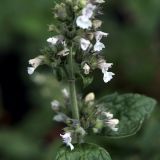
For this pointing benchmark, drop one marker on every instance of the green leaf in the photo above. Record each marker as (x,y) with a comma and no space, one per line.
(130,109)
(83,152)
(86,80)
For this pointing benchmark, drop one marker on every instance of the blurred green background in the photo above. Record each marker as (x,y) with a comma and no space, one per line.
(26,128)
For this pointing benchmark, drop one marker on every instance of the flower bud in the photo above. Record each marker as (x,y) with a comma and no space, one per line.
(55,105)
(53,28)
(95,130)
(86,68)
(60,117)
(68,1)
(98,126)
(65,93)
(96,24)
(90,36)
(81,131)
(93,62)
(90,97)
(60,11)
(75,8)
(82,3)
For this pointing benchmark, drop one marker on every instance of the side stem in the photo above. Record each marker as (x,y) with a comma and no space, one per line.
(72,86)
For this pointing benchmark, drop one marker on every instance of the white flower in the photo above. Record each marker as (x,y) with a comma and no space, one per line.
(108,115)
(86,68)
(52,40)
(35,63)
(67,139)
(99,35)
(104,66)
(98,46)
(60,117)
(55,105)
(30,70)
(99,1)
(84,44)
(65,93)
(112,123)
(83,22)
(88,10)
(89,97)
(55,39)
(108,76)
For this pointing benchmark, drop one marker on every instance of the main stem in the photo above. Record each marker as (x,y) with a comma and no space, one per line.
(72,86)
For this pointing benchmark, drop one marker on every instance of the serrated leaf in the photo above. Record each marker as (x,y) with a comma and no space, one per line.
(83,152)
(130,109)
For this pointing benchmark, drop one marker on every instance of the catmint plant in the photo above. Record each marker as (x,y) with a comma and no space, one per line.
(74,52)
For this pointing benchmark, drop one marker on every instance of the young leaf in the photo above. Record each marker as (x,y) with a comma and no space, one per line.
(83,152)
(130,109)
(87,80)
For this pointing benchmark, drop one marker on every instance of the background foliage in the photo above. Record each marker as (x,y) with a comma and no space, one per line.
(26,128)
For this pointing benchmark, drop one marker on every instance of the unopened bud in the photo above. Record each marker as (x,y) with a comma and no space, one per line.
(86,68)
(90,36)
(95,130)
(55,105)
(65,93)
(61,117)
(97,24)
(98,126)
(53,28)
(90,97)
(82,3)
(60,11)
(81,131)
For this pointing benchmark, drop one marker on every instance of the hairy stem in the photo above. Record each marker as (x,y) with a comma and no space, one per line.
(72,86)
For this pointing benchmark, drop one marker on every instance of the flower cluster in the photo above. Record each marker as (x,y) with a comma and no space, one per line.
(84,32)
(110,121)
(74,51)
(99,117)
(92,113)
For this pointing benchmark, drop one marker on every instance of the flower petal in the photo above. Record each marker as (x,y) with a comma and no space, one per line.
(107,76)
(84,44)
(83,22)
(88,10)
(99,35)
(30,70)
(98,46)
